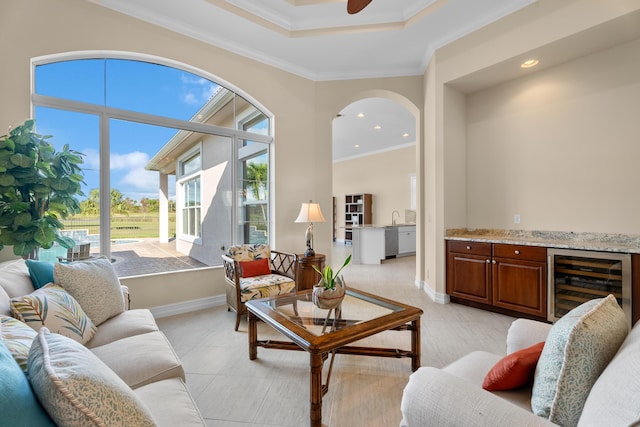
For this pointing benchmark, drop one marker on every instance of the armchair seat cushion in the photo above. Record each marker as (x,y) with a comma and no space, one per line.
(264,286)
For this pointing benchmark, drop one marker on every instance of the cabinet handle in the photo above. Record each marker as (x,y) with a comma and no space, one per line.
(517,252)
(468,248)
(488,261)
(493,262)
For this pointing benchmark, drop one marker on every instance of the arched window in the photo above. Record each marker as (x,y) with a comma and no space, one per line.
(171,155)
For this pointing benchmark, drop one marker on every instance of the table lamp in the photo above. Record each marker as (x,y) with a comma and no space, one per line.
(310,212)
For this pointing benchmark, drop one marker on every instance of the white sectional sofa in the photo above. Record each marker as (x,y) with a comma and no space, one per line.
(588,374)
(127,352)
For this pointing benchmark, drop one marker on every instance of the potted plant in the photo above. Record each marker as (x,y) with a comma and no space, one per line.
(329,291)
(38,187)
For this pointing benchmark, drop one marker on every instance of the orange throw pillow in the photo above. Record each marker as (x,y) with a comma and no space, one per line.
(514,370)
(254,268)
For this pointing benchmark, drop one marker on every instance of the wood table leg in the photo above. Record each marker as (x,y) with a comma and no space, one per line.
(253,337)
(316,363)
(415,344)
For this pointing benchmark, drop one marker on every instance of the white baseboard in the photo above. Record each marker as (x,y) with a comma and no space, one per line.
(188,306)
(436,297)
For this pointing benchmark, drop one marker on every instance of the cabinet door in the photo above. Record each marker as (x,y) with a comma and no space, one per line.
(520,285)
(469,277)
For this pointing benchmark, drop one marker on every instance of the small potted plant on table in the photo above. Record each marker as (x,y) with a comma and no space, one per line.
(329,292)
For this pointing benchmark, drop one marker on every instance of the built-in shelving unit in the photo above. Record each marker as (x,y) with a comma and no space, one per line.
(357,211)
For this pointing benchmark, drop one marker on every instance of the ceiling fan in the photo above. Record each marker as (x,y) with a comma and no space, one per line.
(355,6)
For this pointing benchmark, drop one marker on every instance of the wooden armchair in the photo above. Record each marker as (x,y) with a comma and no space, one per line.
(255,271)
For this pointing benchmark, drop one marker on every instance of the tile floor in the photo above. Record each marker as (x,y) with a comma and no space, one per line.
(233,391)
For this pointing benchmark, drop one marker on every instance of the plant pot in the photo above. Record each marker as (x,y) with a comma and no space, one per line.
(329,298)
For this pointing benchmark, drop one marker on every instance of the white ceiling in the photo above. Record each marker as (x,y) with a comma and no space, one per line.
(318,40)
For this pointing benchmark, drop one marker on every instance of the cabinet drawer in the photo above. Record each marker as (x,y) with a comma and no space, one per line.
(529,253)
(465,247)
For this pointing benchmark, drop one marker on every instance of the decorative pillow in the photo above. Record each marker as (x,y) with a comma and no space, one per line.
(94,284)
(17,337)
(514,370)
(78,389)
(578,348)
(258,267)
(54,308)
(41,272)
(249,252)
(18,404)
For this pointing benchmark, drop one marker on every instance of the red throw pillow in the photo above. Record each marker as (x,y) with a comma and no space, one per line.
(514,370)
(254,268)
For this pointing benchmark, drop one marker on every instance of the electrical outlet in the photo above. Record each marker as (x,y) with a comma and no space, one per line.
(516,219)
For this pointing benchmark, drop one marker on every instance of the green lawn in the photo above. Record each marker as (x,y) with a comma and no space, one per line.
(135,225)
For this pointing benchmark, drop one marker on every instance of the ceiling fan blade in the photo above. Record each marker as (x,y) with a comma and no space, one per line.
(355,6)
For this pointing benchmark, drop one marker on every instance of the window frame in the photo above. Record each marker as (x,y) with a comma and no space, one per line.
(181,180)
(106,114)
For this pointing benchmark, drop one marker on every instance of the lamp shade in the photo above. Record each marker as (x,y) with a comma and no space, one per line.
(310,212)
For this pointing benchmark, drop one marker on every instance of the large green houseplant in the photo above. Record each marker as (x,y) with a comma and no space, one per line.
(38,187)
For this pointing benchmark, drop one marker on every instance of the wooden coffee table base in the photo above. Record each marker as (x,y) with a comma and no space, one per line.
(317,358)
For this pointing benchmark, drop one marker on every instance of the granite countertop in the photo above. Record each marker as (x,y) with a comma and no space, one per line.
(625,243)
(382,225)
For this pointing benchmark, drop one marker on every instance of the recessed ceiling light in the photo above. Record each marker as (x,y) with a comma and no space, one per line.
(377,127)
(357,146)
(529,63)
(405,134)
(360,115)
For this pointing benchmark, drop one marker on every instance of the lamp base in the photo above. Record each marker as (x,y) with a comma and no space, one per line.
(310,252)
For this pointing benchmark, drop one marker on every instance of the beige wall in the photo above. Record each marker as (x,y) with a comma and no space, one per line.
(303,110)
(560,147)
(542,145)
(385,175)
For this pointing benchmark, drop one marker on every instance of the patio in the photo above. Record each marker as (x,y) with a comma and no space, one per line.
(145,256)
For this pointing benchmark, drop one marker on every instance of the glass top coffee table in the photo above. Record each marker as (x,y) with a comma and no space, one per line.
(320,332)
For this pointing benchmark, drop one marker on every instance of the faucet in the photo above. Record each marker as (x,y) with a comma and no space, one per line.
(393,218)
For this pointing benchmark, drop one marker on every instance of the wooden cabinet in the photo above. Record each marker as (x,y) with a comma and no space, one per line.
(510,278)
(306,276)
(519,278)
(469,271)
(357,211)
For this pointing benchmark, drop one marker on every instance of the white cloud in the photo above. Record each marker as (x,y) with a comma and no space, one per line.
(196,90)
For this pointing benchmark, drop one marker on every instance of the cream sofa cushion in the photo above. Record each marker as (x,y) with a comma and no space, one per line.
(5,303)
(179,410)
(164,363)
(126,324)
(613,398)
(15,279)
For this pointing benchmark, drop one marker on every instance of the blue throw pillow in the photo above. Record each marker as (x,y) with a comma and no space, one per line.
(41,272)
(18,404)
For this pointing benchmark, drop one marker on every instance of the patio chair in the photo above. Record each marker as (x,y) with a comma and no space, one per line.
(255,271)
(77,253)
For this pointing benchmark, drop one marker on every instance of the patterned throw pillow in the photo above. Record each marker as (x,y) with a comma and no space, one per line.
(94,284)
(17,337)
(78,389)
(578,348)
(54,308)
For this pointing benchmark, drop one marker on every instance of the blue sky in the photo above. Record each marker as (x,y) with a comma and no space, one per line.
(130,85)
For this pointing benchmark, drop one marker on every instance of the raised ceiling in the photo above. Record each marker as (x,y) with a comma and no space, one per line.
(317,39)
